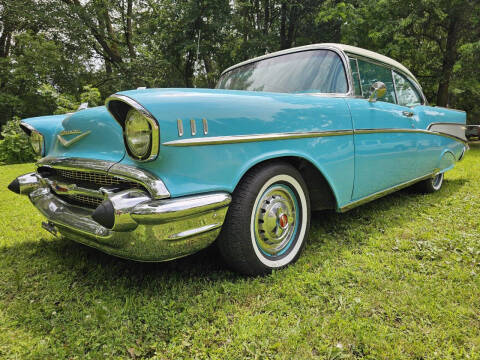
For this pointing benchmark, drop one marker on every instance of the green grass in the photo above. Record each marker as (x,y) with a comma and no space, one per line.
(395,279)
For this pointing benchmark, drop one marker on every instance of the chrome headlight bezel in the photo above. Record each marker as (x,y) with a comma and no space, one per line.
(120,106)
(37,142)
(34,134)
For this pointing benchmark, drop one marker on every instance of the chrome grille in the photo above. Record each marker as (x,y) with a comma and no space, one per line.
(82,200)
(87,179)
(98,179)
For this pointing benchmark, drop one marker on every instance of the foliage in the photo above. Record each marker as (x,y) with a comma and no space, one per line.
(394,279)
(15,147)
(122,44)
(66,103)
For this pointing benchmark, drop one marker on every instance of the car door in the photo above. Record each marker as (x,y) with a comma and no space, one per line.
(385,146)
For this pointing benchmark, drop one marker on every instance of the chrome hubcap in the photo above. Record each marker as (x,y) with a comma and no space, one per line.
(275,220)
(437,181)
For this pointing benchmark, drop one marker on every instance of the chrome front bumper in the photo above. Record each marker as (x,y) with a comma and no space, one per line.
(142,228)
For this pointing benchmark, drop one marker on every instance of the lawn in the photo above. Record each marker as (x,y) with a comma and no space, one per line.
(394,279)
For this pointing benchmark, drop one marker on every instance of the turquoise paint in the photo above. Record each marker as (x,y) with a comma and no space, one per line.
(105,141)
(190,170)
(382,159)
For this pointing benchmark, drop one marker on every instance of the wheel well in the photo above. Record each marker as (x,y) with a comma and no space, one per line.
(321,194)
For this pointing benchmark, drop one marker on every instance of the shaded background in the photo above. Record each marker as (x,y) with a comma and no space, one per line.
(56,53)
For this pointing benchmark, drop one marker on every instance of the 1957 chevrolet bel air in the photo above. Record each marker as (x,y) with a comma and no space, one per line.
(157,174)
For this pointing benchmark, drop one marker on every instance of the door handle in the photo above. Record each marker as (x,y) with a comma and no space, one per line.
(407,113)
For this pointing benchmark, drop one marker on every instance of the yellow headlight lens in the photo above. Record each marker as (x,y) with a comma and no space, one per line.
(138,134)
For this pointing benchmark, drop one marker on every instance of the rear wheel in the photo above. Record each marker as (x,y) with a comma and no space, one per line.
(431,185)
(268,220)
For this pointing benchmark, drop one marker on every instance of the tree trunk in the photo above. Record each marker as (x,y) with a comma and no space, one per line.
(128,35)
(283,21)
(449,58)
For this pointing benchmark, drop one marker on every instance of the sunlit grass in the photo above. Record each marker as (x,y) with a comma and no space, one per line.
(397,278)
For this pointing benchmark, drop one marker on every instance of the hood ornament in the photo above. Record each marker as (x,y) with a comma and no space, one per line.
(68,143)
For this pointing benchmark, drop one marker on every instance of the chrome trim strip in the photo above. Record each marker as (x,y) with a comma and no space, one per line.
(154,185)
(389,130)
(446,123)
(180,127)
(155,145)
(193,127)
(232,139)
(382,193)
(205,126)
(216,140)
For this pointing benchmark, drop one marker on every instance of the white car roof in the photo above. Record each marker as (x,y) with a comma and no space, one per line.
(342,47)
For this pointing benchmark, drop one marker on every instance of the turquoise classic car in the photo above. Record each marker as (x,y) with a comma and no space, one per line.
(158,174)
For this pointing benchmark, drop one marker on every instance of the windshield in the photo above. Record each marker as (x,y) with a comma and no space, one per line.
(319,71)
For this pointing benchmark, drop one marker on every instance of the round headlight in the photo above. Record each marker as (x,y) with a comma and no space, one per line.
(138,134)
(36,140)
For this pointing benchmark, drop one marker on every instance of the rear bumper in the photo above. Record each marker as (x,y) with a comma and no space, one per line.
(142,228)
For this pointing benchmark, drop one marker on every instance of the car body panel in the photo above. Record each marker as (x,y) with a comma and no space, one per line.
(102,139)
(187,170)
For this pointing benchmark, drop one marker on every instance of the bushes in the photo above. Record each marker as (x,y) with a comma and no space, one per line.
(14,144)
(15,147)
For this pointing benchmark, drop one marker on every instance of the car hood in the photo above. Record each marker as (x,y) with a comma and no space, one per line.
(91,133)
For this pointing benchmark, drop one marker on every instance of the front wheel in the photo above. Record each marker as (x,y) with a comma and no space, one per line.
(268,220)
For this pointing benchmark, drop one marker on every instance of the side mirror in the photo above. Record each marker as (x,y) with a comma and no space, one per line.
(377,91)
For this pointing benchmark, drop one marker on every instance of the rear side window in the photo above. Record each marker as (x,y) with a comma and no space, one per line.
(406,93)
(371,73)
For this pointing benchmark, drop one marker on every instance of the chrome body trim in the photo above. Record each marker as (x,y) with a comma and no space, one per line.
(29,129)
(431,132)
(164,211)
(155,144)
(154,185)
(384,192)
(180,127)
(205,126)
(232,139)
(215,140)
(193,127)
(144,229)
(68,143)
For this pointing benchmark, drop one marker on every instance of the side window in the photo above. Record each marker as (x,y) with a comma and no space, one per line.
(356,76)
(406,93)
(371,73)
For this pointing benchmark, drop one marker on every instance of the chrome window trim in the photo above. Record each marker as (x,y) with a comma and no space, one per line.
(394,87)
(391,67)
(153,184)
(155,144)
(343,57)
